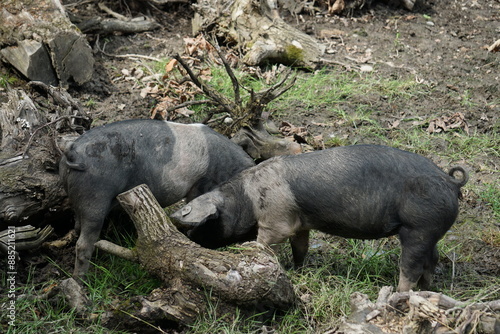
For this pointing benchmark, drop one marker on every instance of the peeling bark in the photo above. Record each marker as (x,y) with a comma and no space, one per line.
(38,39)
(256,29)
(249,278)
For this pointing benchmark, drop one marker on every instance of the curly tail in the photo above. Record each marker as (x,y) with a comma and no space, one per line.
(465,176)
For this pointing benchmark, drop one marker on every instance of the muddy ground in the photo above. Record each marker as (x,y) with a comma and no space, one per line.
(441,44)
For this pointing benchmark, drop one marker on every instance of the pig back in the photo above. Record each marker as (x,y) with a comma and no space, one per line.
(362,191)
(171,158)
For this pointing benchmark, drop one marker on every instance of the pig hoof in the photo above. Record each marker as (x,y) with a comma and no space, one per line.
(408,4)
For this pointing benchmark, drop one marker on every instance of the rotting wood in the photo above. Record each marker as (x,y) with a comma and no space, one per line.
(98,25)
(255,29)
(40,42)
(249,277)
(419,312)
(29,155)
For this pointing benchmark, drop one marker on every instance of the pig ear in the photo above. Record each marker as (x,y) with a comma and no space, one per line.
(189,216)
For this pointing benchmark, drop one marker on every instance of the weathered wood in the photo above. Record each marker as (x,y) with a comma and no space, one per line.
(125,253)
(262,35)
(38,39)
(26,237)
(31,58)
(98,25)
(29,182)
(419,312)
(249,277)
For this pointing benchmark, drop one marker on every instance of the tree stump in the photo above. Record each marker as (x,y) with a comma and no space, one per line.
(38,39)
(250,278)
(30,189)
(253,28)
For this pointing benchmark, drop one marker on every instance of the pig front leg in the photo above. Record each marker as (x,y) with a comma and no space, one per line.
(300,246)
(272,233)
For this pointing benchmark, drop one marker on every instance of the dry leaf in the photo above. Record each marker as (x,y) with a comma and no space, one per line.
(170,66)
(337,7)
(445,123)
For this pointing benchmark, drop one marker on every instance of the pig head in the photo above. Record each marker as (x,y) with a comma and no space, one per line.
(362,191)
(219,218)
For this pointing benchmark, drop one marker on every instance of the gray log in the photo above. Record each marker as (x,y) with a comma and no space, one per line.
(248,278)
(41,43)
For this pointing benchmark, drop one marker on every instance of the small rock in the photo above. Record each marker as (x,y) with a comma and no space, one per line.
(366,68)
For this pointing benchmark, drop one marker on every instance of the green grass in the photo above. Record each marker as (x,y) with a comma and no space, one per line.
(327,90)
(335,267)
(109,279)
(491,195)
(7,80)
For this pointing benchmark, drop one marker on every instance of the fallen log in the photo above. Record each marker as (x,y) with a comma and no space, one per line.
(98,25)
(120,23)
(29,182)
(249,277)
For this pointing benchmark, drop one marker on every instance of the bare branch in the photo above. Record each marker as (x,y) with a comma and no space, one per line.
(236,84)
(219,99)
(269,94)
(189,103)
(116,250)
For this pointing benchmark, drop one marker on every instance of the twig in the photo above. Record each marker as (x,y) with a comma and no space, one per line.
(347,66)
(131,56)
(144,321)
(268,95)
(11,160)
(209,121)
(236,85)
(106,9)
(208,91)
(75,4)
(25,152)
(189,103)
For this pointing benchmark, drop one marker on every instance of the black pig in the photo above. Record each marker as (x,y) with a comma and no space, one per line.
(363,192)
(175,160)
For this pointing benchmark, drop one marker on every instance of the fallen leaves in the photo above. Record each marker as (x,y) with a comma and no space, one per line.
(447,123)
(301,135)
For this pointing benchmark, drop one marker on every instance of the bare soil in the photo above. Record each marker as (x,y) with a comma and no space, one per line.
(441,44)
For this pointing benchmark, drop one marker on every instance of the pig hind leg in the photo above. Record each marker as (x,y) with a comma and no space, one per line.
(91,223)
(429,265)
(418,259)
